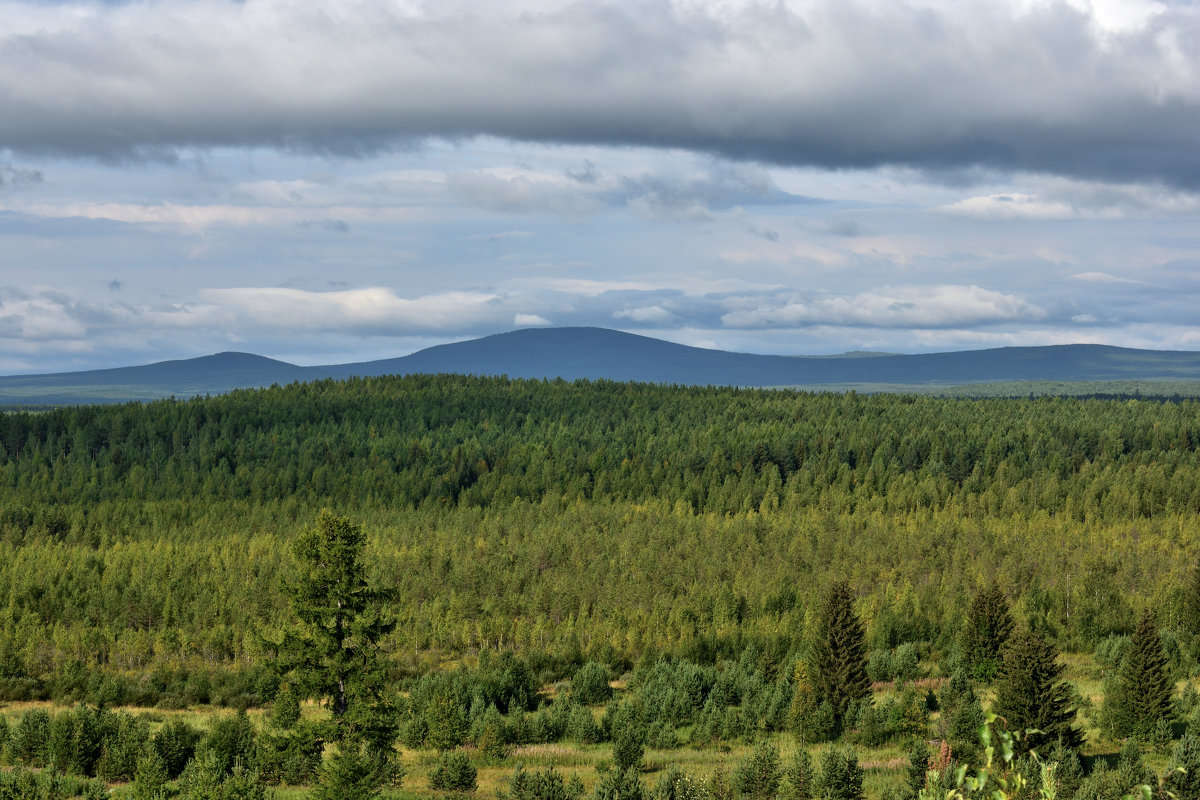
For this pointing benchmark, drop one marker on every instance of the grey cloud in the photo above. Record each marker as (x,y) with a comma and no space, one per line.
(945,89)
(17,178)
(331,225)
(847,228)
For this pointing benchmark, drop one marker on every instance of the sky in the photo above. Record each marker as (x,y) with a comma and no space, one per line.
(358,179)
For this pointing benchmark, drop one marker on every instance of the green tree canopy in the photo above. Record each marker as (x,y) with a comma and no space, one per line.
(1030,695)
(334,653)
(1141,695)
(987,629)
(841,661)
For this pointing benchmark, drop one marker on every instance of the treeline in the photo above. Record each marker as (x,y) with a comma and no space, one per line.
(143,547)
(430,440)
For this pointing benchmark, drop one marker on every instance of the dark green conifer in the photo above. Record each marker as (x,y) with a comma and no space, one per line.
(988,627)
(1141,696)
(1030,695)
(841,660)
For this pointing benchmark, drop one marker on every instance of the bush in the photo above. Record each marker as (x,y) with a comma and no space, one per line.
(350,772)
(231,740)
(841,777)
(675,784)
(31,739)
(453,773)
(801,775)
(582,727)
(176,744)
(293,757)
(758,775)
(590,685)
(543,785)
(123,739)
(662,736)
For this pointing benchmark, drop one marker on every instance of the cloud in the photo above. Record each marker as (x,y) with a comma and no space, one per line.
(890,307)
(373,310)
(529,320)
(16,178)
(655,314)
(1065,88)
(1104,277)
(1060,199)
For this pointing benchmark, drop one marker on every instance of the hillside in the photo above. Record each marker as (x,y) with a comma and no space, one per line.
(597,353)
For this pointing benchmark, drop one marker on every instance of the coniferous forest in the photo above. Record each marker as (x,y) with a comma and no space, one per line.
(530,590)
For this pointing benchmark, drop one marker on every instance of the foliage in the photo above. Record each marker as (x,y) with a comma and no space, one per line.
(453,772)
(676,784)
(801,776)
(292,756)
(541,785)
(1031,697)
(840,664)
(590,685)
(759,773)
(352,771)
(175,742)
(335,653)
(840,776)
(987,629)
(1141,697)
(616,784)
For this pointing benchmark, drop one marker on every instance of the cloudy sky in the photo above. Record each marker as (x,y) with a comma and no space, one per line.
(356,179)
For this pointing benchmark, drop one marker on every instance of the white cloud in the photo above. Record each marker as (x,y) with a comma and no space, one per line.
(889,307)
(372,310)
(529,320)
(655,314)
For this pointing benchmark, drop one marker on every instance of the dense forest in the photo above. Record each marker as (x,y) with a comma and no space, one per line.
(532,542)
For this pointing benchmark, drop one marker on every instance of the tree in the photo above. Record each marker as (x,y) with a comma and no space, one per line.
(801,774)
(1190,618)
(841,776)
(759,773)
(987,629)
(1141,696)
(841,662)
(1031,696)
(1184,783)
(334,654)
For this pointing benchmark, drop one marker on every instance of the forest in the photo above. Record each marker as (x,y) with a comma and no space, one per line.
(568,589)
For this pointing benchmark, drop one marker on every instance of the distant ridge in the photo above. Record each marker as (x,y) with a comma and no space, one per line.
(600,353)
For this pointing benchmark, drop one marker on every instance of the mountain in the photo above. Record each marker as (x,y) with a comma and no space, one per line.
(597,353)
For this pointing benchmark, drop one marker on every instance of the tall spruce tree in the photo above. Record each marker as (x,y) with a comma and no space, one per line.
(840,659)
(988,627)
(1141,695)
(1030,695)
(333,655)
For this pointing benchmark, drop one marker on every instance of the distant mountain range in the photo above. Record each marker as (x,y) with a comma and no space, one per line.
(598,353)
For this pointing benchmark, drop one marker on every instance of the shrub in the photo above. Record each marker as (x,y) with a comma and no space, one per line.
(231,740)
(176,744)
(840,777)
(31,739)
(544,785)
(590,685)
(453,773)
(293,757)
(758,775)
